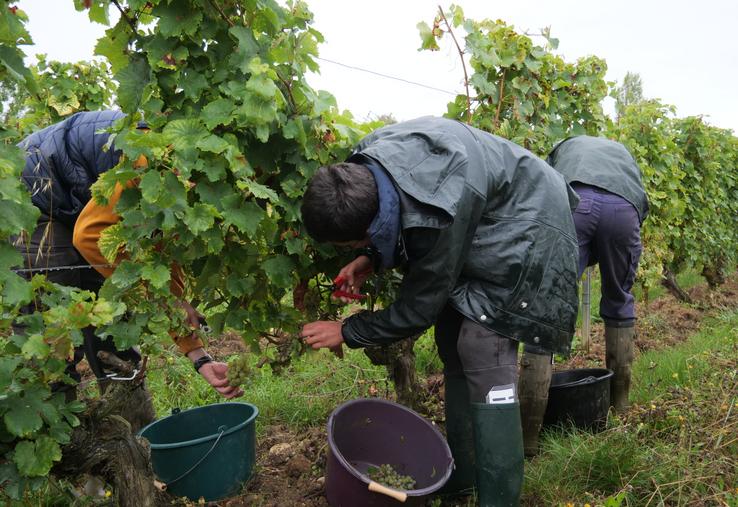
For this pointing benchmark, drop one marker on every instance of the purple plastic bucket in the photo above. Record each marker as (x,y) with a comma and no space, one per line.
(372,432)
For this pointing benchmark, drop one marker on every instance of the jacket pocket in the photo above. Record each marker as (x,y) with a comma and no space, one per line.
(498,254)
(547,291)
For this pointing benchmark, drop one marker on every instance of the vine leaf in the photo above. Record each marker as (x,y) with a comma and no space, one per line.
(9,258)
(177,17)
(247,47)
(279,269)
(184,134)
(35,459)
(133,79)
(258,190)
(15,291)
(35,346)
(114,46)
(213,144)
(201,217)
(246,216)
(23,416)
(427,37)
(7,367)
(218,112)
(12,60)
(158,275)
(18,214)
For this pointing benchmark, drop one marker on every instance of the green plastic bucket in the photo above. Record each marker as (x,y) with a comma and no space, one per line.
(206,452)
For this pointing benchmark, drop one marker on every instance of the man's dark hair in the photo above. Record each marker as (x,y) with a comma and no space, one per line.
(340,203)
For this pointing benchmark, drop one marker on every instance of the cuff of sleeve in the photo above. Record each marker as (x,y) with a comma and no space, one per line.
(187,343)
(351,338)
(374,256)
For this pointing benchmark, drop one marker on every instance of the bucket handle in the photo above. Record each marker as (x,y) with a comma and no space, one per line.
(221,430)
(379,488)
(591,379)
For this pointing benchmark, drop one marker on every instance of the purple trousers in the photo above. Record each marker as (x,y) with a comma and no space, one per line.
(609,234)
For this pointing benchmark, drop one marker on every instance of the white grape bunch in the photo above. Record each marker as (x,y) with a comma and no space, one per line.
(388,476)
(238,370)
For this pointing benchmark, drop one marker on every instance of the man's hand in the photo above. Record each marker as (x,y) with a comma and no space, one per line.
(354,275)
(215,375)
(323,334)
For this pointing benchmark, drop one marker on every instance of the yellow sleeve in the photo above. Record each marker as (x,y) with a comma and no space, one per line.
(89,226)
(94,219)
(87,230)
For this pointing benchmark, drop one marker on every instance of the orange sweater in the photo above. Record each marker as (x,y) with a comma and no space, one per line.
(87,229)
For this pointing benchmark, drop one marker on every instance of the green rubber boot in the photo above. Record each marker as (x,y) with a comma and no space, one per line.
(535,379)
(498,446)
(619,359)
(459,436)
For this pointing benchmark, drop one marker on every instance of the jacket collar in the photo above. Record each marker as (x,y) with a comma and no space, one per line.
(384,231)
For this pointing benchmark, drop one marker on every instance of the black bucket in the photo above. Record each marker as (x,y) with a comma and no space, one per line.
(372,432)
(579,397)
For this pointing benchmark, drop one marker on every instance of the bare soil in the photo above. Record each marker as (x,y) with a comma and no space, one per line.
(664,322)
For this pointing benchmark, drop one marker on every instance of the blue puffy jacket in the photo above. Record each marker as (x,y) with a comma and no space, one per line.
(65,159)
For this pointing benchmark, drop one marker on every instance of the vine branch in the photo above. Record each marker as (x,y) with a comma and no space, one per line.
(463,64)
(130,22)
(288,88)
(220,11)
(499,99)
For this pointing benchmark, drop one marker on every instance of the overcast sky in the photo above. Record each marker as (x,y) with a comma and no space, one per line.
(684,51)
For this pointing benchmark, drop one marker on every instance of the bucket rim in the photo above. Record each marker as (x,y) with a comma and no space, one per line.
(599,373)
(347,465)
(207,438)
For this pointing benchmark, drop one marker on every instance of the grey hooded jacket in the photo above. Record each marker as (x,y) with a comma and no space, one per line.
(486,227)
(603,163)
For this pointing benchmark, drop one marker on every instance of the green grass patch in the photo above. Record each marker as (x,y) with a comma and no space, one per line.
(687,363)
(678,445)
(427,360)
(303,394)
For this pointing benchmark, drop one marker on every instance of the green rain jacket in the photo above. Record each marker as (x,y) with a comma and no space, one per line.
(603,163)
(486,227)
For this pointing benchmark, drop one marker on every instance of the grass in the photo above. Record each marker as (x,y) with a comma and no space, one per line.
(688,363)
(427,360)
(686,279)
(677,446)
(303,395)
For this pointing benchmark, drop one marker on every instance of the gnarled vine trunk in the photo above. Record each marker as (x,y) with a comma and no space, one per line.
(399,358)
(670,282)
(714,274)
(105,444)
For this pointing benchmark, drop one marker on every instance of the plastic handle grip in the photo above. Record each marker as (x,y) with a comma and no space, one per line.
(393,493)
